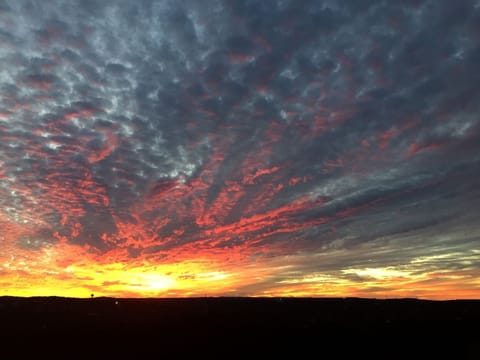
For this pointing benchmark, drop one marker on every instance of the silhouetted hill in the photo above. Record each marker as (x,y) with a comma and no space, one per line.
(230,327)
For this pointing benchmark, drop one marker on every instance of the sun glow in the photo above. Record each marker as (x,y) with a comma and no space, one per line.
(73,271)
(150,282)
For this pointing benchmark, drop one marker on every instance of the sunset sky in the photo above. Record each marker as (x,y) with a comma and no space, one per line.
(240,148)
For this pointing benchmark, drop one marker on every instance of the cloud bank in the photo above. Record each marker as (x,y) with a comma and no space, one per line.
(240,147)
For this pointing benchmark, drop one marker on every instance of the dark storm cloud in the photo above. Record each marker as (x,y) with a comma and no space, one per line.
(243,123)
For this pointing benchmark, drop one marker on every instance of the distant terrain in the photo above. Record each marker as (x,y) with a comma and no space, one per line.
(227,327)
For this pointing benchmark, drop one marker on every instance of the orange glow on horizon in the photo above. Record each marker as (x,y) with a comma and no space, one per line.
(73,271)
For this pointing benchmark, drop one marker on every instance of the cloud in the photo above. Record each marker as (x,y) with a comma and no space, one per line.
(241,132)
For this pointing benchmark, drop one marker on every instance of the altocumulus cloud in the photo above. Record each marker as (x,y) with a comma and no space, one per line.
(315,145)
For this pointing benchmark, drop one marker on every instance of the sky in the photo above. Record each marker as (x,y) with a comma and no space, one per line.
(179,148)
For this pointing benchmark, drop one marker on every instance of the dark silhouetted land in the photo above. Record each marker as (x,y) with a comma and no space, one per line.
(238,327)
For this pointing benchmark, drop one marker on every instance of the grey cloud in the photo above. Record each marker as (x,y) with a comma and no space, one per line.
(39,239)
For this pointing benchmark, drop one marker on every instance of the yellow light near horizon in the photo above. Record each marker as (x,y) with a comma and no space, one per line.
(378,273)
(149,282)
(66,270)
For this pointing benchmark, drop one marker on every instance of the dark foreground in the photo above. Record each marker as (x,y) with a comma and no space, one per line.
(240,327)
